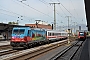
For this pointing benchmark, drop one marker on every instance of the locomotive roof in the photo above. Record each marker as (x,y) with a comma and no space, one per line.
(21,27)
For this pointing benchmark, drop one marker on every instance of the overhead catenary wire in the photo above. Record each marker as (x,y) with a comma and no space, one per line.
(43,2)
(74,8)
(15,14)
(7,14)
(11,13)
(34,8)
(46,3)
(67,10)
(63,11)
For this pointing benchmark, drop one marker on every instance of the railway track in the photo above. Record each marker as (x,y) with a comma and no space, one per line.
(9,51)
(30,53)
(69,53)
(3,47)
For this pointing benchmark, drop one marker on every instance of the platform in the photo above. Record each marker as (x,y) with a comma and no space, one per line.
(85,53)
(4,43)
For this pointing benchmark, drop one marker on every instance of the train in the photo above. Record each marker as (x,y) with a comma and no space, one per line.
(82,36)
(27,37)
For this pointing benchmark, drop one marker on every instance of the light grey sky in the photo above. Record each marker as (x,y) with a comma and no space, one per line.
(32,10)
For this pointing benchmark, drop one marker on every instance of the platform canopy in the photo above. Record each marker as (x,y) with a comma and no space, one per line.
(87,9)
(5,27)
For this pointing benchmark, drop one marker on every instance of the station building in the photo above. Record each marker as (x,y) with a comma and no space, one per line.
(40,24)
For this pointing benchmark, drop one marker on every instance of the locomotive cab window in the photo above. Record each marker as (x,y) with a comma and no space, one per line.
(81,34)
(18,31)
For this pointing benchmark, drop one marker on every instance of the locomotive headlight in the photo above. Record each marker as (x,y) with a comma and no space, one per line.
(13,37)
(22,40)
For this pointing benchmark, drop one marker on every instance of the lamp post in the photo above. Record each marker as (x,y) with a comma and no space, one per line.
(19,18)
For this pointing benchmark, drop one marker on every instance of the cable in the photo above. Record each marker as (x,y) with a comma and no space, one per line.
(19,15)
(9,11)
(66,9)
(43,1)
(34,9)
(7,14)
(73,7)
(62,10)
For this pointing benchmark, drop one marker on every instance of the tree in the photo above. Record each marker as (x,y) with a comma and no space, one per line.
(9,22)
(49,25)
(12,23)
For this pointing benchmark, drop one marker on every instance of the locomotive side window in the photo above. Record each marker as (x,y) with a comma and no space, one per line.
(50,34)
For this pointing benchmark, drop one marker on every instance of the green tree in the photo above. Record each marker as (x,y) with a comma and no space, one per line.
(12,23)
(49,25)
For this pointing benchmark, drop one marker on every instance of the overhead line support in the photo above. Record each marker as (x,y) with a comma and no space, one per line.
(54,14)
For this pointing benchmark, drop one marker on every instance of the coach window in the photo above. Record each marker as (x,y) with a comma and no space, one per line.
(55,34)
(48,33)
(60,33)
(52,34)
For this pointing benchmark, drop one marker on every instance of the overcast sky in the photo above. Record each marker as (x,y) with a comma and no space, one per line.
(32,10)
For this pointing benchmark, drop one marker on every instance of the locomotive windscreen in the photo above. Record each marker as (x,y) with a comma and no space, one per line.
(81,34)
(18,31)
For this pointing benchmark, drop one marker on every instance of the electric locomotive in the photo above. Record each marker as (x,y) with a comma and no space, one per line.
(25,36)
(82,35)
(28,37)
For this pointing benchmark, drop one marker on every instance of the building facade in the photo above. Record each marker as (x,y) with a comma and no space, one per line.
(39,26)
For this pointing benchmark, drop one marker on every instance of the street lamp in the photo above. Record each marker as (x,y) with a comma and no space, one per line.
(19,18)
